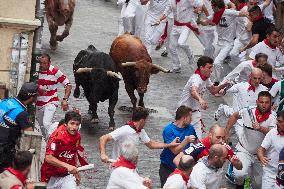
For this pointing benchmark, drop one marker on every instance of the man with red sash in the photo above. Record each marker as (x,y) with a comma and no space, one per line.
(124,174)
(59,169)
(254,123)
(192,94)
(179,179)
(199,150)
(268,152)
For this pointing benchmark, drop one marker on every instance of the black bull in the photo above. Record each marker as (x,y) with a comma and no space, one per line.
(95,71)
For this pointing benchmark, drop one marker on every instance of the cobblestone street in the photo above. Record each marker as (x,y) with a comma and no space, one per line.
(96,22)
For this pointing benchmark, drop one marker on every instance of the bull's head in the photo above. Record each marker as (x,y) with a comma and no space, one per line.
(143,70)
(109,73)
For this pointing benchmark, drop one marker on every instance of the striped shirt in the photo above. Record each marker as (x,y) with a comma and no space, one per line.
(48,83)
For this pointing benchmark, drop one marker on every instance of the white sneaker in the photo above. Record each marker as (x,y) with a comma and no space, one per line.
(219,112)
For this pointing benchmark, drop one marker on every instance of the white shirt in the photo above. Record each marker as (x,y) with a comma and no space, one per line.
(242,97)
(267,11)
(124,178)
(250,139)
(241,24)
(226,28)
(125,133)
(203,177)
(186,97)
(240,73)
(275,57)
(176,181)
(156,8)
(273,143)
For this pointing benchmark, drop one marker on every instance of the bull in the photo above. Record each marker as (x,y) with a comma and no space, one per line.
(135,65)
(96,72)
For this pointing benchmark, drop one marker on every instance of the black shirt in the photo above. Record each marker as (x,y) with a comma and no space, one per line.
(260,27)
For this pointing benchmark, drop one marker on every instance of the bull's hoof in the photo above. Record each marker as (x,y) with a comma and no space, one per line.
(59,38)
(95,120)
(76,94)
(111,128)
(53,45)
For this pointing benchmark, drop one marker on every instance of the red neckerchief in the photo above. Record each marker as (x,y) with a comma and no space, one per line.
(182,174)
(253,63)
(122,162)
(261,117)
(256,19)
(18,174)
(274,80)
(241,5)
(132,125)
(197,71)
(268,44)
(251,87)
(217,16)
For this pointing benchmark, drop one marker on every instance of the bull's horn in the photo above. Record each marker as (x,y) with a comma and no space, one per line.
(161,68)
(128,64)
(82,70)
(113,74)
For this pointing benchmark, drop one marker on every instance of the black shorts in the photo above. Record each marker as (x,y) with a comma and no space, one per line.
(164,173)
(7,156)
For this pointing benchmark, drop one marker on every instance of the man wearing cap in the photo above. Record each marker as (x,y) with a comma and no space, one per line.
(13,119)
(48,79)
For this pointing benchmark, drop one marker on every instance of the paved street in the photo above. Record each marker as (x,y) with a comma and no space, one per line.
(95,22)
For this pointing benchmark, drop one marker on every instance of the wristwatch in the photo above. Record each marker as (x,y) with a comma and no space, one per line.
(66,99)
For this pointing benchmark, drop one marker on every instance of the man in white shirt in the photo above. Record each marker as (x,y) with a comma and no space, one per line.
(179,179)
(269,46)
(255,123)
(132,131)
(277,92)
(207,173)
(268,152)
(192,95)
(124,174)
(244,94)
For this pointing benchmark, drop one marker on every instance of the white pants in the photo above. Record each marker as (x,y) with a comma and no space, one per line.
(235,52)
(128,16)
(44,116)
(206,38)
(268,179)
(196,123)
(67,182)
(121,29)
(251,167)
(222,51)
(152,33)
(178,38)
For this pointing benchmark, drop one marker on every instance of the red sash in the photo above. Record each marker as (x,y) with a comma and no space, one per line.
(182,174)
(197,71)
(122,162)
(217,16)
(188,24)
(261,117)
(268,44)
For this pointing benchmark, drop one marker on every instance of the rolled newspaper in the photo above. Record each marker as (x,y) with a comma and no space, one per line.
(86,167)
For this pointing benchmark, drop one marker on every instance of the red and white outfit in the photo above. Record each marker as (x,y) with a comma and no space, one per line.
(201,82)
(249,140)
(65,147)
(124,175)
(273,143)
(204,176)
(47,99)
(177,180)
(127,133)
(275,57)
(12,179)
(184,22)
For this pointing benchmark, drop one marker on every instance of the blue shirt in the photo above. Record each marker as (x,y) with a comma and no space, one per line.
(171,131)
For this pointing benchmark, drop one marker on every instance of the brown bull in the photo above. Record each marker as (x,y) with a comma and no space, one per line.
(135,65)
(58,13)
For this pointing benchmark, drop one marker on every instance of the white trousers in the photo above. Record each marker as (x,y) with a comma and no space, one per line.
(44,116)
(67,182)
(206,38)
(268,179)
(196,123)
(251,167)
(178,38)
(235,52)
(152,33)
(222,51)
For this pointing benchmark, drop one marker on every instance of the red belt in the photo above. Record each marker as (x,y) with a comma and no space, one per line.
(187,24)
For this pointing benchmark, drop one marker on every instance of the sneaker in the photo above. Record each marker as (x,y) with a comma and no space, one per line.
(164,53)
(175,70)
(219,112)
